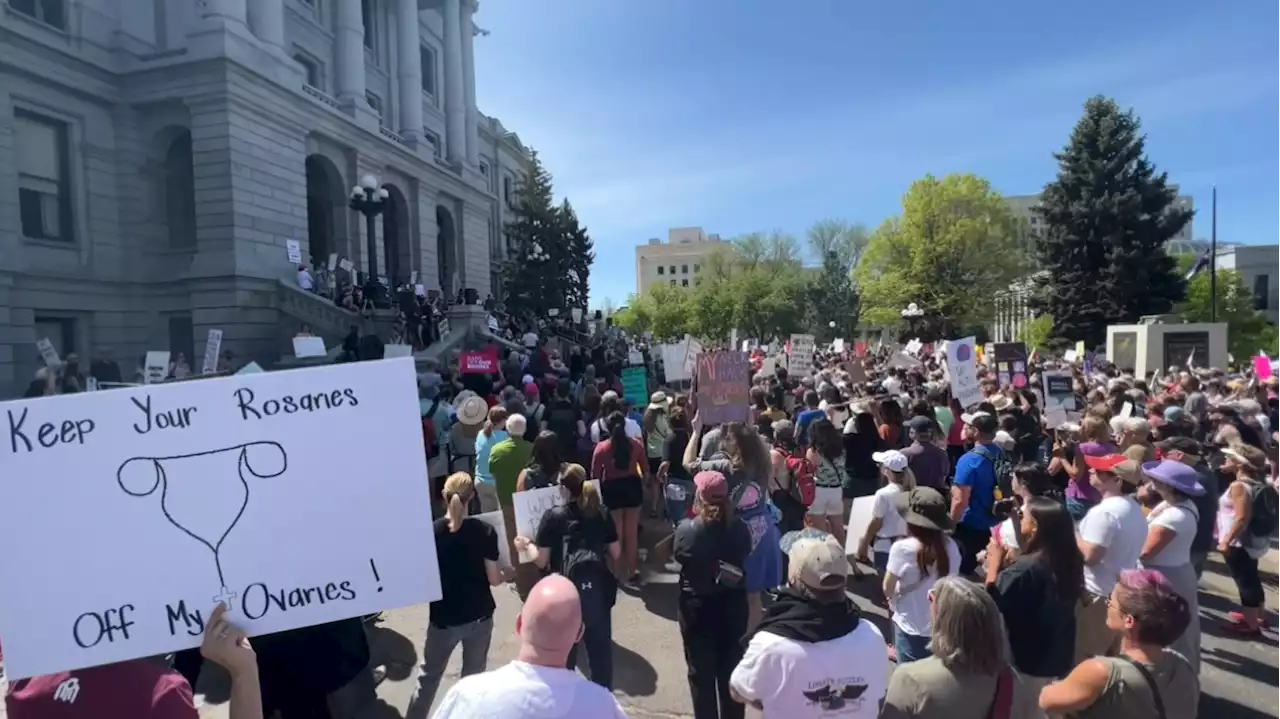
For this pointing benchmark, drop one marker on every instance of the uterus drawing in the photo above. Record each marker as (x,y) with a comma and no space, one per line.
(201,494)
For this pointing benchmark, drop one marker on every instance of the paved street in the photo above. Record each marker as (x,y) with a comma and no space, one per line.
(1239,678)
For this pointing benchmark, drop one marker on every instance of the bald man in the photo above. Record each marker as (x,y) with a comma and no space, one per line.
(536,685)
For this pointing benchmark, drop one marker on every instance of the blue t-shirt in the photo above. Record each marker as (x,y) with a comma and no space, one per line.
(803,420)
(977,472)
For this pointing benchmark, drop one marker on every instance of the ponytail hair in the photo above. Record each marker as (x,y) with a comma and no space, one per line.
(458,489)
(497,419)
(932,551)
(581,492)
(616,423)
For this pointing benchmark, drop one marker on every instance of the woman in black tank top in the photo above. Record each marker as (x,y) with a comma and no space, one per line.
(547,464)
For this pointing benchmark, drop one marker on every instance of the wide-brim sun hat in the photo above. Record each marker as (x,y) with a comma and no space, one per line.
(659,401)
(1176,475)
(472,411)
(924,507)
(1001,402)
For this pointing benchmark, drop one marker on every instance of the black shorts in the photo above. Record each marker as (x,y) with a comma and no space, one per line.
(654,464)
(622,493)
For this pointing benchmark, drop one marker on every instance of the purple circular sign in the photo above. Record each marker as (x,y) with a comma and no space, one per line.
(963,352)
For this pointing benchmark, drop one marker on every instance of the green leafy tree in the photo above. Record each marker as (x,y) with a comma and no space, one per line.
(535,280)
(580,253)
(664,310)
(1247,329)
(1037,333)
(1108,216)
(952,249)
(833,296)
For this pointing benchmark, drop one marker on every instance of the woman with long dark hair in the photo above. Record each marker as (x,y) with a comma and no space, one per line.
(547,464)
(826,452)
(712,608)
(892,434)
(1029,480)
(617,462)
(1039,592)
(861,439)
(676,482)
(914,565)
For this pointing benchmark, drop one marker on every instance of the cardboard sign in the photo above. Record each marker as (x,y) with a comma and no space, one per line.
(163,500)
(155,367)
(723,385)
(294,249)
(635,385)
(309,347)
(801,354)
(1011,364)
(48,353)
(212,348)
(483,361)
(962,368)
(693,348)
(1059,398)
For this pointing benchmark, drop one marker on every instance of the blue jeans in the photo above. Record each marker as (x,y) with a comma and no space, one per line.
(474,638)
(880,560)
(597,639)
(909,647)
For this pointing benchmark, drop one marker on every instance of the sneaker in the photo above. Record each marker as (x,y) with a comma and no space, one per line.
(1239,618)
(1241,628)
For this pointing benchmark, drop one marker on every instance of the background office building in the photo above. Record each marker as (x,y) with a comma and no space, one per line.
(676,262)
(157,155)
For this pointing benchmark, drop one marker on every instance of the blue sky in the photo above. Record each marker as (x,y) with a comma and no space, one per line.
(746,115)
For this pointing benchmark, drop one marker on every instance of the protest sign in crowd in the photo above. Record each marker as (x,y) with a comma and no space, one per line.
(1035,527)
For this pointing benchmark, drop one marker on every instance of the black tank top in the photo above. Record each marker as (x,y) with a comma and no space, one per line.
(535,478)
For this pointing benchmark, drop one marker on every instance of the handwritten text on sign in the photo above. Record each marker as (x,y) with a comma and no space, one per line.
(723,385)
(146,506)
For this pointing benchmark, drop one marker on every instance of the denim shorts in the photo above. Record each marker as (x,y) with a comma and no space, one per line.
(909,647)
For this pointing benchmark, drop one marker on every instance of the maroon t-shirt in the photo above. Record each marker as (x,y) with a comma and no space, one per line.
(138,688)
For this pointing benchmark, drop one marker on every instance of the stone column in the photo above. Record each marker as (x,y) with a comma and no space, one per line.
(410,69)
(454,95)
(266,19)
(471,114)
(349,28)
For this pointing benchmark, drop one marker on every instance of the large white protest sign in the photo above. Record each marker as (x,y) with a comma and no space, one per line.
(155,367)
(212,347)
(48,353)
(801,354)
(293,249)
(495,520)
(693,348)
(529,507)
(673,361)
(309,347)
(962,368)
(129,514)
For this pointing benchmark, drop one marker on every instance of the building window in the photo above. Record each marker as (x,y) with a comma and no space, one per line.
(484,168)
(49,12)
(311,68)
(697,268)
(367,14)
(661,269)
(684,283)
(43,147)
(61,333)
(506,189)
(428,60)
(375,103)
(673,283)
(672,269)
(434,140)
(684,269)
(1261,292)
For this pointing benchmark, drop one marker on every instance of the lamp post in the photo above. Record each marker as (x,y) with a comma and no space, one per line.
(369,198)
(912,315)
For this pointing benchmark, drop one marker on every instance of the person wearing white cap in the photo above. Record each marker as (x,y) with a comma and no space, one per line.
(813,655)
(887,525)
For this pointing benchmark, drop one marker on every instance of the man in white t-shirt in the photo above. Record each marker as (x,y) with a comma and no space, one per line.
(886,526)
(812,654)
(1110,538)
(304,279)
(536,685)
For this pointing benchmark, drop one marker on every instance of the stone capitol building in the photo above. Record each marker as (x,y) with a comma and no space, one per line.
(157,156)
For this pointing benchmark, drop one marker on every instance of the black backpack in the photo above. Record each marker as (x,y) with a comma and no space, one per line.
(583,563)
(1264,508)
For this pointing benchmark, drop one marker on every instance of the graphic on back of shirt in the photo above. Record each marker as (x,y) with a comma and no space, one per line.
(204,510)
(837,696)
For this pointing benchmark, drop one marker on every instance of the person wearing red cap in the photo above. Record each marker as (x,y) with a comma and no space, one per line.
(1111,537)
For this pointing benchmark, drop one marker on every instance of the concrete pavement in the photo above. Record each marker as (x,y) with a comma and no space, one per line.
(1238,679)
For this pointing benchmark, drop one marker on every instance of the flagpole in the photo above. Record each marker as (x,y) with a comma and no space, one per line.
(1213,259)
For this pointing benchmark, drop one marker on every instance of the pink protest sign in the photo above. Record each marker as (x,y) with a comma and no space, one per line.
(1262,367)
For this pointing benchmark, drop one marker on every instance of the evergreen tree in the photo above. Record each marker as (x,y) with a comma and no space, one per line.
(1108,216)
(580,253)
(832,298)
(535,279)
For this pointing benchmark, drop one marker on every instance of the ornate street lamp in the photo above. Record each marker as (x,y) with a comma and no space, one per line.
(912,314)
(369,198)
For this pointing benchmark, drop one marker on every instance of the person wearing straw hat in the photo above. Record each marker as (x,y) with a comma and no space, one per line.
(656,429)
(915,564)
(469,416)
(1171,528)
